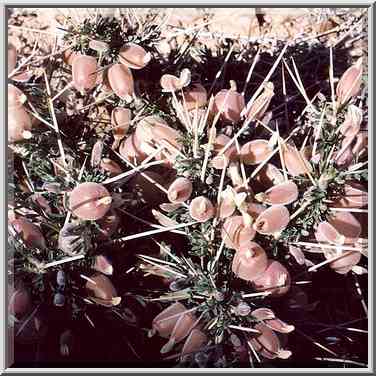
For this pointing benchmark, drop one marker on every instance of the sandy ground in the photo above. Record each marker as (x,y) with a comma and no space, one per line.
(278,23)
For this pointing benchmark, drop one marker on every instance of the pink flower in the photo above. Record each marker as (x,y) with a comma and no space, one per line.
(90,201)
(349,84)
(236,233)
(175,323)
(280,194)
(272,220)
(121,81)
(134,56)
(84,73)
(269,319)
(201,209)
(250,261)
(195,96)
(102,291)
(355,196)
(269,176)
(268,343)
(255,152)
(296,163)
(261,103)
(275,279)
(29,233)
(230,103)
(120,121)
(180,190)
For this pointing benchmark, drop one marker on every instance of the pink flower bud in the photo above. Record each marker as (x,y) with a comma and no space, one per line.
(90,201)
(263,314)
(353,120)
(29,232)
(261,103)
(163,219)
(195,341)
(19,124)
(134,56)
(180,190)
(69,55)
(249,262)
(267,315)
(347,225)
(361,142)
(226,207)
(12,57)
(120,121)
(327,233)
(102,291)
(220,142)
(344,264)
(280,326)
(84,72)
(16,98)
(233,172)
(345,155)
(130,149)
(23,76)
(195,96)
(296,163)
(96,154)
(182,328)
(298,254)
(230,103)
(272,220)
(269,176)
(153,131)
(168,207)
(163,324)
(201,209)
(355,196)
(121,81)
(236,233)
(275,279)
(171,83)
(98,46)
(349,84)
(267,343)
(19,121)
(281,194)
(255,152)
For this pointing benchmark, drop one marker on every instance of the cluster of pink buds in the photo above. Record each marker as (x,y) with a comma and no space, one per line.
(117,78)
